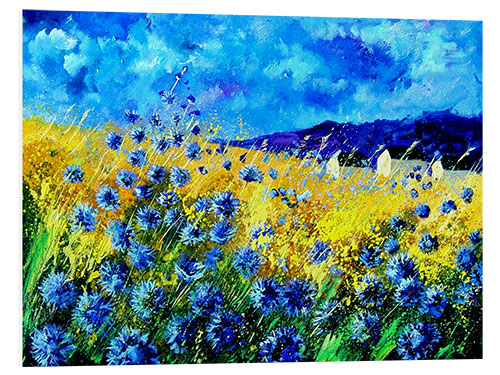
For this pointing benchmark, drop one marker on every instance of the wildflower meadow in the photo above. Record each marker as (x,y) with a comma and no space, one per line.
(156,239)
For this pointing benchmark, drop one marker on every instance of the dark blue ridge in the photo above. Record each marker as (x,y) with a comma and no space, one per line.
(359,144)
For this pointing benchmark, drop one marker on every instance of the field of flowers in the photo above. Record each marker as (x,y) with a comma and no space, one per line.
(149,244)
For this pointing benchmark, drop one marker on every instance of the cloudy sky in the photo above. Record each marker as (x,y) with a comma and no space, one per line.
(277,73)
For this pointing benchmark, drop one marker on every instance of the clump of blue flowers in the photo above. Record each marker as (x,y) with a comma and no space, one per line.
(147,298)
(417,341)
(131,347)
(298,297)
(51,346)
(206,299)
(113,140)
(247,262)
(125,179)
(282,345)
(108,198)
(179,177)
(83,218)
(58,290)
(251,173)
(370,291)
(73,174)
(93,313)
(427,243)
(266,295)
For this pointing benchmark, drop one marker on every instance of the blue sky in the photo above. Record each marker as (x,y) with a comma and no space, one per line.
(277,73)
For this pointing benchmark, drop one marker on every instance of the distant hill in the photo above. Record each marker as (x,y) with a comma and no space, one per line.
(444,132)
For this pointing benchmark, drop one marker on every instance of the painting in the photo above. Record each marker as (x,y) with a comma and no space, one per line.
(237,189)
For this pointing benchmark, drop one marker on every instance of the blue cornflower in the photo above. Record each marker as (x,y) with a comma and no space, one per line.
(391,245)
(225,205)
(126,179)
(143,191)
(335,271)
(366,328)
(476,275)
(113,276)
(196,130)
(121,234)
(222,232)
(266,295)
(73,174)
(179,177)
(251,173)
(409,292)
(247,262)
(148,218)
(475,237)
(83,218)
(426,185)
(51,345)
(113,140)
(227,165)
(206,299)
(298,297)
(328,315)
(93,314)
(467,293)
(282,345)
(371,256)
(173,216)
(141,256)
(282,191)
(146,299)
(417,168)
(273,173)
(371,291)
(433,302)
(465,258)
(175,139)
(397,224)
(132,115)
(58,290)
(160,144)
(155,122)
(422,210)
(168,198)
(202,170)
(137,157)
(202,204)
(427,243)
(414,193)
(290,191)
(226,331)
(192,151)
(188,269)
(156,174)
(181,333)
(191,234)
(138,135)
(401,266)
(108,198)
(211,259)
(448,206)
(131,347)
(318,252)
(262,229)
(467,194)
(273,193)
(418,340)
